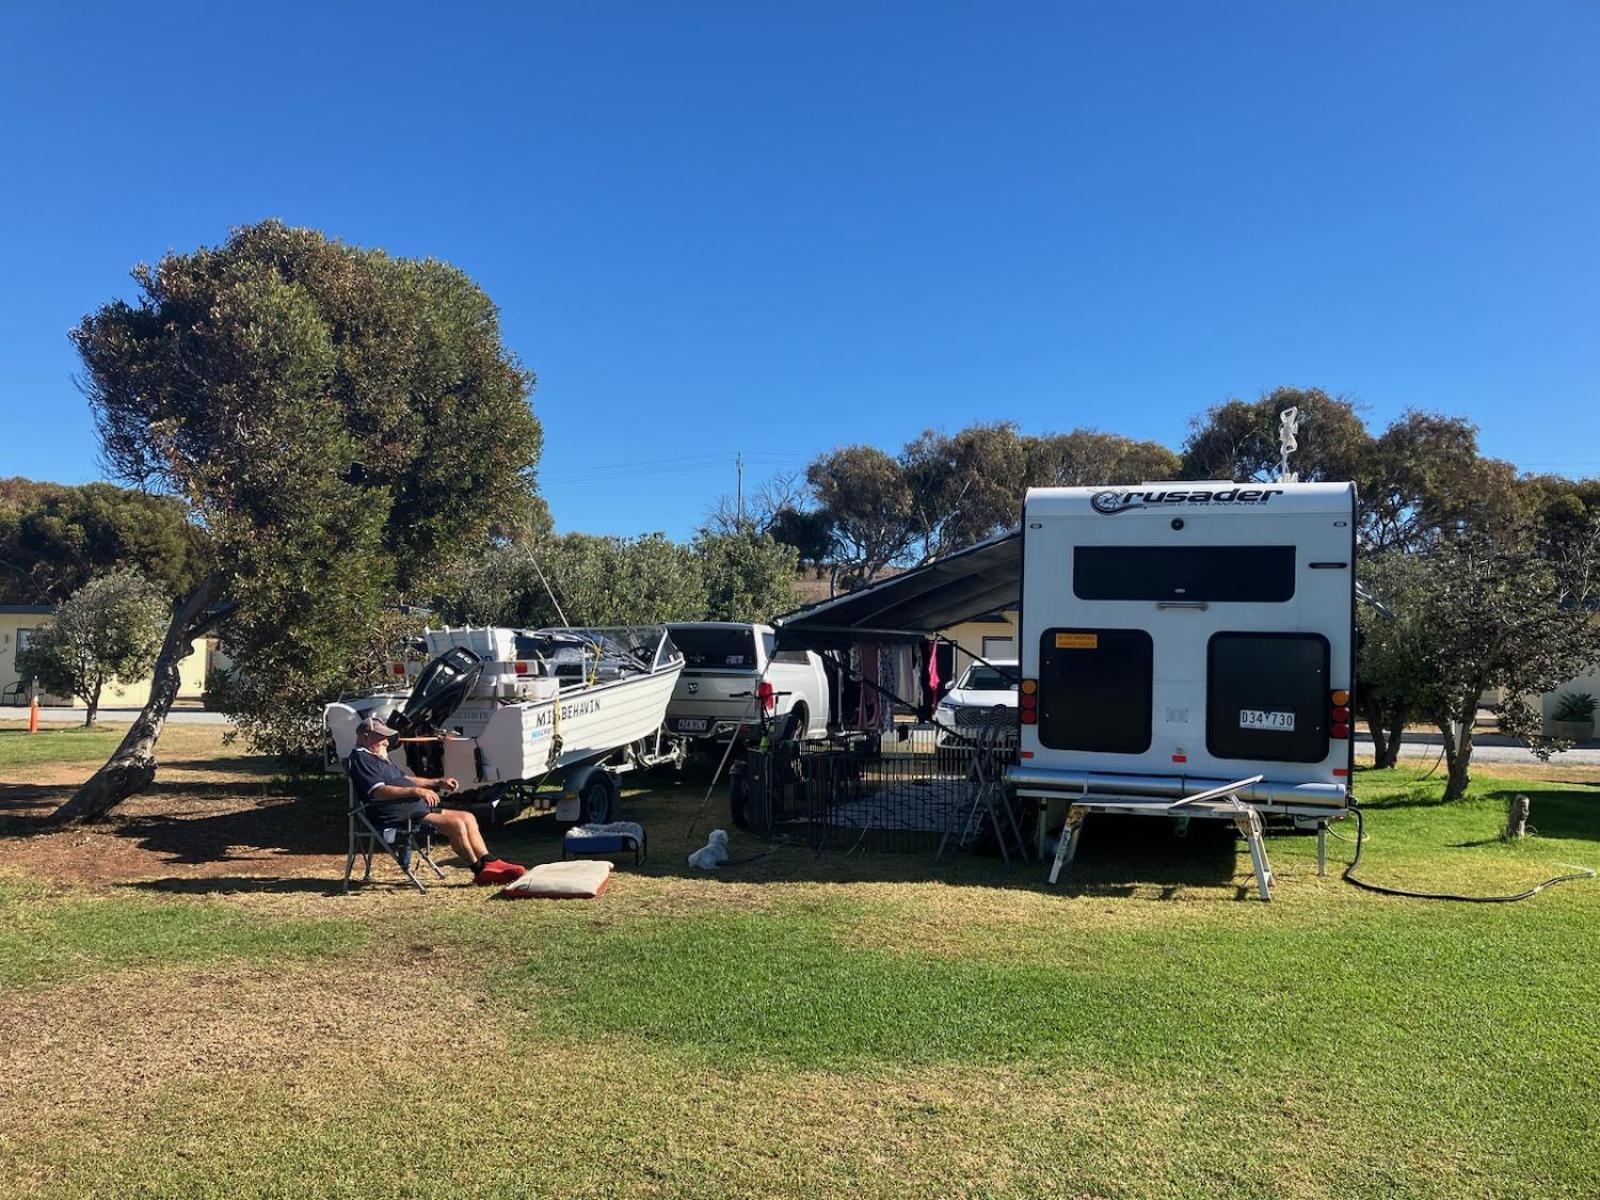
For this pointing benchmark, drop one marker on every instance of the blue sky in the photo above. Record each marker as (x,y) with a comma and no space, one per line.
(776,229)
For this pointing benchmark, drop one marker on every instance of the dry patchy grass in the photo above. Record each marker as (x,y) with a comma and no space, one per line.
(268,1070)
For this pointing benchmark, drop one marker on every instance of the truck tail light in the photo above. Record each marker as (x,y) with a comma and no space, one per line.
(1028,702)
(1339,714)
(522,668)
(767,695)
(398,668)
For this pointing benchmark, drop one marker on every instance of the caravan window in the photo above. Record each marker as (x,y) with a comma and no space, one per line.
(1095,690)
(1267,696)
(1216,574)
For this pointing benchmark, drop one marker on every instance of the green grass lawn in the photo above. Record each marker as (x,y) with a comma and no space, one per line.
(844,1025)
(57,744)
(74,744)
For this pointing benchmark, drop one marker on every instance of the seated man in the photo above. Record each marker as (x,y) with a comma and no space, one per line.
(392,797)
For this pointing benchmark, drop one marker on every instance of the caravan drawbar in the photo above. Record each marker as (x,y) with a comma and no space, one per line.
(1179,639)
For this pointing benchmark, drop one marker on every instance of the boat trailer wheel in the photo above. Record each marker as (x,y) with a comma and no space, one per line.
(599,799)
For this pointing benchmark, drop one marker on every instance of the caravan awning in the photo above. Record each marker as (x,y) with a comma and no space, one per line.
(915,604)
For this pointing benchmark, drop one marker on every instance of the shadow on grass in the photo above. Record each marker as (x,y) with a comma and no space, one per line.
(1117,856)
(1558,814)
(24,807)
(306,824)
(273,884)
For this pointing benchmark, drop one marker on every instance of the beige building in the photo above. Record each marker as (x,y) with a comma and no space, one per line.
(991,637)
(18,622)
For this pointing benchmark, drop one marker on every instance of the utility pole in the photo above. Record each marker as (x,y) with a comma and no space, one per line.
(739,465)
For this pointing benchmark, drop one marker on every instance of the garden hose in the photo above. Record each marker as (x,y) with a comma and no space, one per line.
(1349,877)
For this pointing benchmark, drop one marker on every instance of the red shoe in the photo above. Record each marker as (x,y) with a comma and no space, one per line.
(498,871)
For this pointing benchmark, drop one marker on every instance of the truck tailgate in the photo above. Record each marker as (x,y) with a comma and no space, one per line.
(704,699)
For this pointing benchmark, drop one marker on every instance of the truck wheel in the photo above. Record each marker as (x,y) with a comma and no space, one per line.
(739,795)
(599,799)
(794,725)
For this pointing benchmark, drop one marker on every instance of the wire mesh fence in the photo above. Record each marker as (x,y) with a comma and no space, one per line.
(902,790)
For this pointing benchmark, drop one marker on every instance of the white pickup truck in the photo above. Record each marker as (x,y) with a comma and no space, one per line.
(729,669)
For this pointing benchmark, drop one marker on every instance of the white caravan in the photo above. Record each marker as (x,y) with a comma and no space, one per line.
(1180,640)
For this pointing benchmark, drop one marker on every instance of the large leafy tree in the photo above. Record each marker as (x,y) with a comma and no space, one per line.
(868,503)
(54,538)
(1088,457)
(748,576)
(1239,439)
(964,486)
(108,631)
(805,531)
(579,579)
(582,579)
(945,491)
(1425,480)
(1565,515)
(1390,670)
(340,423)
(1476,613)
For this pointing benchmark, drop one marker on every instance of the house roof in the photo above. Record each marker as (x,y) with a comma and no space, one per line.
(915,604)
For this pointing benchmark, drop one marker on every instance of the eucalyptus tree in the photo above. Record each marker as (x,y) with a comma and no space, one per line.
(339,422)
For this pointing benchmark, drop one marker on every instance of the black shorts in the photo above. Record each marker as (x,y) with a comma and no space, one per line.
(396,812)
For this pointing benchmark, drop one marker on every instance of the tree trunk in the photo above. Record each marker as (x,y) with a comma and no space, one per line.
(133,765)
(1458,757)
(93,701)
(1397,730)
(1380,743)
(1387,725)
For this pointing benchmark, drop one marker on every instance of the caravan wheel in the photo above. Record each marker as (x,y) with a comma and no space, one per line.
(600,799)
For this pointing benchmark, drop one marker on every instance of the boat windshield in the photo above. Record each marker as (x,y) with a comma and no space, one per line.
(588,653)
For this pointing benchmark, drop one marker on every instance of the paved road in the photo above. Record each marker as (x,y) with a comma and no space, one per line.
(1488,748)
(113,716)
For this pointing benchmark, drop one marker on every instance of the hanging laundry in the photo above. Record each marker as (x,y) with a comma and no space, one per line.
(886,690)
(872,706)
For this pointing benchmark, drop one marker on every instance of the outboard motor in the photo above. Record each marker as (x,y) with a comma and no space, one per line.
(440,688)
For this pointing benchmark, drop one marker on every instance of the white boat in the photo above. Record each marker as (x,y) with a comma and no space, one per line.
(504,706)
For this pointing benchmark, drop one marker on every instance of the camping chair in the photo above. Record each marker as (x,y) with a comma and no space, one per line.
(403,843)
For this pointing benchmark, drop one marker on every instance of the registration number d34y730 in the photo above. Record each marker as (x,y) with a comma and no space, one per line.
(1258,718)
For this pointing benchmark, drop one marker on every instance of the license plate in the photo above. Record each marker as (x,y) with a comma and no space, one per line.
(692,724)
(1256,718)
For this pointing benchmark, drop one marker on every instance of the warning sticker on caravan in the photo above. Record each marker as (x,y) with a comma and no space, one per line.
(1256,718)
(1077,641)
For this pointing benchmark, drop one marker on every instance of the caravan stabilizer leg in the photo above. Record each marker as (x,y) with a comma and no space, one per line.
(1068,846)
(1249,825)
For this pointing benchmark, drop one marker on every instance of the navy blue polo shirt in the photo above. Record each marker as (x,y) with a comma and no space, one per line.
(369,771)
